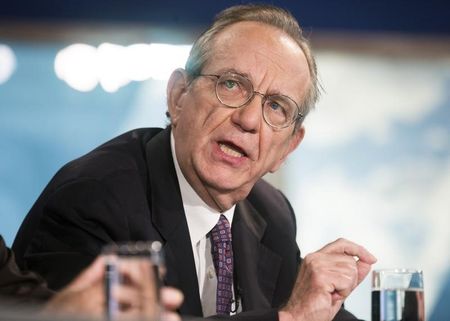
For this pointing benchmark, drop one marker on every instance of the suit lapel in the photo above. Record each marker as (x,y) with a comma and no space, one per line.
(256,265)
(169,219)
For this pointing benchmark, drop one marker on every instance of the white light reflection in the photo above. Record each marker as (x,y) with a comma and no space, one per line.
(112,73)
(164,59)
(7,63)
(139,62)
(113,66)
(77,66)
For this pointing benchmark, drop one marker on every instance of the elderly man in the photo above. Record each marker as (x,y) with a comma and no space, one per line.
(229,237)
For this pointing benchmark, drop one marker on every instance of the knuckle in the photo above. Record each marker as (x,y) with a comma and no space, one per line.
(309,258)
(361,248)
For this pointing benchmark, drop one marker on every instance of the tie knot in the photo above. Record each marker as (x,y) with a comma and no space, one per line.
(222,231)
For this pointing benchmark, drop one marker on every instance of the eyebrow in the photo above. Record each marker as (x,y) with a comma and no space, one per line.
(248,76)
(225,70)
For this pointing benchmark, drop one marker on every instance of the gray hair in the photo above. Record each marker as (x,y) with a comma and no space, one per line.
(267,14)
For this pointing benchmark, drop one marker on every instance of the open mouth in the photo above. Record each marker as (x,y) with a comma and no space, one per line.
(231,149)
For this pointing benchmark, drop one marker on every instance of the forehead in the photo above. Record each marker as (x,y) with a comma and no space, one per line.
(268,56)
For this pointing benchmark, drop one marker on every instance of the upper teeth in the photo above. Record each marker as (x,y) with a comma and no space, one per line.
(230,151)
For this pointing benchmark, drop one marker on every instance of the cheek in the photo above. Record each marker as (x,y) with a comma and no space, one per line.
(189,120)
(274,148)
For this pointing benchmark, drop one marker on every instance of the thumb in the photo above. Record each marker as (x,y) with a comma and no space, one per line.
(363,270)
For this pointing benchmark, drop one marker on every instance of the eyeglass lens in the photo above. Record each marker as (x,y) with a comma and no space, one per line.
(235,90)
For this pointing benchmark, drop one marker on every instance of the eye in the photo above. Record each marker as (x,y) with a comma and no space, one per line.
(276,111)
(233,90)
(230,84)
(274,105)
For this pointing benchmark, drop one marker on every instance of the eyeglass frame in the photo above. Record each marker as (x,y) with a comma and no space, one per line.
(264,98)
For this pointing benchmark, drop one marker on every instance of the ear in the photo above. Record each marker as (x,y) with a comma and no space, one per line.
(295,140)
(176,88)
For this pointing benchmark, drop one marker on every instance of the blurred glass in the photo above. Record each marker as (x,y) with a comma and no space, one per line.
(133,279)
(397,295)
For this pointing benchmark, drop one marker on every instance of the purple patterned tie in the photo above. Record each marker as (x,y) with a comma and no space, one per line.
(222,253)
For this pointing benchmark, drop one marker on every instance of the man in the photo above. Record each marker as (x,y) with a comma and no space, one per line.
(27,293)
(236,113)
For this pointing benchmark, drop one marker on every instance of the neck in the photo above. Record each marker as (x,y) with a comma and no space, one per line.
(217,198)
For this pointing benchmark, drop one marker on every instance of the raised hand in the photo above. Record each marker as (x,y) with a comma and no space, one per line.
(326,278)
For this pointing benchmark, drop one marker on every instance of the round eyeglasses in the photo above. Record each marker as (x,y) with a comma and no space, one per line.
(235,90)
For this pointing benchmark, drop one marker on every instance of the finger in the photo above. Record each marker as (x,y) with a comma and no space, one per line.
(127,296)
(170,316)
(343,284)
(335,273)
(171,298)
(139,272)
(89,301)
(344,246)
(138,288)
(128,314)
(362,267)
(133,269)
(319,262)
(363,270)
(338,281)
(137,310)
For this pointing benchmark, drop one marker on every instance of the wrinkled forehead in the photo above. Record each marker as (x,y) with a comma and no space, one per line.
(270,58)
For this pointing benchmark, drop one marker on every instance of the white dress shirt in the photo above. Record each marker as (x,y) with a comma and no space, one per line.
(200,220)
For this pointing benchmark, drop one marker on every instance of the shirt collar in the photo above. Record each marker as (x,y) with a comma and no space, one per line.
(200,217)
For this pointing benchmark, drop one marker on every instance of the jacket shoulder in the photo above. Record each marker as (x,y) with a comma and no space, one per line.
(122,153)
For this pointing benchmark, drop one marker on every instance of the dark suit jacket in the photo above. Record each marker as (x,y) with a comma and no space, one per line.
(18,287)
(127,190)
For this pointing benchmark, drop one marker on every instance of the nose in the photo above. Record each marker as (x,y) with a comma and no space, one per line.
(249,117)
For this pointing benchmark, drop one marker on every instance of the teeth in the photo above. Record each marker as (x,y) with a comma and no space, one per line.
(229,151)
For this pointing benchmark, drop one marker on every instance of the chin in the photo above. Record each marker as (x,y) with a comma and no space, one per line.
(223,178)
(228,183)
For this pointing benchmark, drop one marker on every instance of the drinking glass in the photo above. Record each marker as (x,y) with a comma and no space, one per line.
(134,264)
(397,295)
